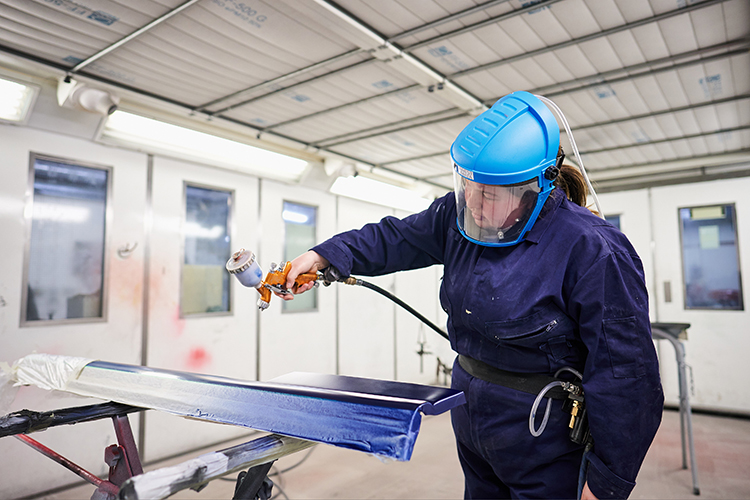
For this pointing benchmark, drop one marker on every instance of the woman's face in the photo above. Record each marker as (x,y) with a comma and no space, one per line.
(494,206)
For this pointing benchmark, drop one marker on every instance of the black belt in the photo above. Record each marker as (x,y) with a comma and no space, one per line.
(531,383)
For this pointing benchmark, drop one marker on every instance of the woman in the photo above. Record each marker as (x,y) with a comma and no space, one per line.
(534,283)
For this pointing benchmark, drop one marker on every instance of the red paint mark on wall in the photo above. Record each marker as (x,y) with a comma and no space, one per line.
(198,358)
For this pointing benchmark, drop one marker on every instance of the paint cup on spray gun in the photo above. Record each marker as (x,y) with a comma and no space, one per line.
(243,266)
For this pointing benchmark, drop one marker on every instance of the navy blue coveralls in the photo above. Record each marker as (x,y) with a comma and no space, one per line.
(572,294)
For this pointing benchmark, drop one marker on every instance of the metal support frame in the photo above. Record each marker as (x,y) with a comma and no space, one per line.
(122,458)
(126,479)
(674,332)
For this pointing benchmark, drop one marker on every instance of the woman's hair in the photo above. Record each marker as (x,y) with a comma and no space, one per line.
(571,181)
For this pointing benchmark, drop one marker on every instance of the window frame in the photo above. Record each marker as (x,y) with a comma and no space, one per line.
(737,250)
(619,220)
(315,309)
(28,215)
(230,232)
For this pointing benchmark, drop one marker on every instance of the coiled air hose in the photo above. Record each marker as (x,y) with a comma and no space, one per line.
(557,383)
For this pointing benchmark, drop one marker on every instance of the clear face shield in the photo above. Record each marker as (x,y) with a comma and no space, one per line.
(494,214)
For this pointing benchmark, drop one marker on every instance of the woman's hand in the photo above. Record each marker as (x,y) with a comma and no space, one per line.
(586,493)
(308,262)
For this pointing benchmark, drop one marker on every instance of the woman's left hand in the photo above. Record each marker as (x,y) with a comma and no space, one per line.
(586,493)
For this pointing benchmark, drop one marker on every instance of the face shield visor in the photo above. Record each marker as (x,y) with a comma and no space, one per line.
(494,215)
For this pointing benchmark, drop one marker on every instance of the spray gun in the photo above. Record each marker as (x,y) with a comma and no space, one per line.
(242,264)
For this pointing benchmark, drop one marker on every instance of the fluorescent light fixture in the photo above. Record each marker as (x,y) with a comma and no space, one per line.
(198,146)
(296,217)
(60,213)
(362,188)
(15,100)
(195,230)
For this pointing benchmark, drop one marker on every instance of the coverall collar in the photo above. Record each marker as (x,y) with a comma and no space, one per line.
(546,216)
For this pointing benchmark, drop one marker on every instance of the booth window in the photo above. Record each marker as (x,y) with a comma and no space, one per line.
(205,281)
(710,258)
(614,220)
(64,269)
(299,237)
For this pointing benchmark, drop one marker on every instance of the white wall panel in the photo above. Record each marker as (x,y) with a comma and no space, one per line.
(366,319)
(300,341)
(118,339)
(420,289)
(221,345)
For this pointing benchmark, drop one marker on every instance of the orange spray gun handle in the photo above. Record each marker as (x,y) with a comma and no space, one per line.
(242,265)
(276,282)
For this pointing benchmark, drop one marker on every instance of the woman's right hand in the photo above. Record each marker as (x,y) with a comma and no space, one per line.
(308,262)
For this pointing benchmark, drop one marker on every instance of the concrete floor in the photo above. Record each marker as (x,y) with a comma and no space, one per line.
(722,449)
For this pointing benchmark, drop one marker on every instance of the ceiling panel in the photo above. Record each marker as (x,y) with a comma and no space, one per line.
(736,14)
(635,10)
(606,13)
(678,34)
(335,81)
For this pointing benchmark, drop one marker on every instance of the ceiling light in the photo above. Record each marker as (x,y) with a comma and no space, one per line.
(160,137)
(295,217)
(15,100)
(365,189)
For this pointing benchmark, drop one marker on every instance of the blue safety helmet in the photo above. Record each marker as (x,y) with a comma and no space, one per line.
(504,165)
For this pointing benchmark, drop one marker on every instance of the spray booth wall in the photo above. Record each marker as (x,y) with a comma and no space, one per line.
(353,331)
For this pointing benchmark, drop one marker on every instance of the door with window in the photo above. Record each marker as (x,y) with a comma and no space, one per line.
(701,245)
(71,271)
(199,318)
(301,335)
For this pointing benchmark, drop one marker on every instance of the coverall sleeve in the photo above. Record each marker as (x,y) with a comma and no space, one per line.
(390,245)
(621,381)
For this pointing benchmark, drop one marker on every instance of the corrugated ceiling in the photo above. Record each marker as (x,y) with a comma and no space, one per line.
(391,83)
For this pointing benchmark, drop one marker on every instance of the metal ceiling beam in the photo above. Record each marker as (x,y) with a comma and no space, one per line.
(480,24)
(613,122)
(447,19)
(678,175)
(414,158)
(588,38)
(78,67)
(599,79)
(579,83)
(689,107)
(668,139)
(286,89)
(282,78)
(703,161)
(424,27)
(327,144)
(344,106)
(396,52)
(643,69)
(339,57)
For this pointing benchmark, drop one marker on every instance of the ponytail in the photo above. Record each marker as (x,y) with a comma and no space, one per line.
(573,184)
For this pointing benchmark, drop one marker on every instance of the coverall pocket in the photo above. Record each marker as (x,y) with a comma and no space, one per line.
(529,330)
(517,343)
(624,346)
